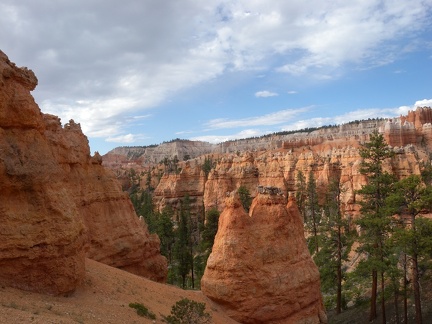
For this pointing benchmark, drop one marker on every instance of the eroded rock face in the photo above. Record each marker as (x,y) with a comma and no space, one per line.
(57,203)
(42,235)
(260,270)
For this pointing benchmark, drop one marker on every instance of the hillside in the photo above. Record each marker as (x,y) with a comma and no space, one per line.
(103,297)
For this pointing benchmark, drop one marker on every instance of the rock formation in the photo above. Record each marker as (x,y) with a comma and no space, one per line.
(57,203)
(331,153)
(260,270)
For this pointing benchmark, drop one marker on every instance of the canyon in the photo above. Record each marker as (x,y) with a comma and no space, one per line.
(66,218)
(66,222)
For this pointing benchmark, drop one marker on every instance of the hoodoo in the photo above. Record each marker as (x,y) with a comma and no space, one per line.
(260,270)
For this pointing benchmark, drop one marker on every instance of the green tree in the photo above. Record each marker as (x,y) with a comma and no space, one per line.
(301,193)
(207,166)
(182,252)
(375,221)
(245,197)
(336,240)
(187,311)
(165,231)
(410,197)
(210,228)
(312,214)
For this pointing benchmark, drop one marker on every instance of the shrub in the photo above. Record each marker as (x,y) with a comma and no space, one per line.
(142,310)
(187,311)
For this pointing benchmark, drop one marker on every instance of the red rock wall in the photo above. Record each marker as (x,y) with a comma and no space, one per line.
(57,203)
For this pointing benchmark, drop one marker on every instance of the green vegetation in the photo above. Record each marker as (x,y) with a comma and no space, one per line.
(187,311)
(142,310)
(245,197)
(375,221)
(394,244)
(207,166)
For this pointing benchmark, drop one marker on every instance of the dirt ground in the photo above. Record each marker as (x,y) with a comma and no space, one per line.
(103,297)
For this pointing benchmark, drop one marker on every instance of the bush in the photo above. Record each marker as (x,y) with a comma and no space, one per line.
(187,311)
(142,310)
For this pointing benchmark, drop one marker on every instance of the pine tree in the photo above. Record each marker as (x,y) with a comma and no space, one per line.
(165,231)
(301,194)
(210,228)
(312,213)
(245,197)
(411,195)
(375,221)
(336,240)
(182,254)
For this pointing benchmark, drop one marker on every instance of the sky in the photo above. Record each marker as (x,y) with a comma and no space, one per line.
(140,72)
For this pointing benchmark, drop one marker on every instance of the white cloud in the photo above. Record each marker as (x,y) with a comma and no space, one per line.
(265,94)
(275,118)
(98,63)
(360,114)
(247,133)
(423,103)
(126,138)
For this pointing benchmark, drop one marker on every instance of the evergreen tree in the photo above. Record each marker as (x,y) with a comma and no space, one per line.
(336,240)
(301,193)
(182,254)
(375,221)
(210,228)
(410,197)
(245,197)
(313,214)
(165,231)
(207,166)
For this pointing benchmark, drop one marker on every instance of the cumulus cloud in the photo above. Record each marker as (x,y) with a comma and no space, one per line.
(97,62)
(265,94)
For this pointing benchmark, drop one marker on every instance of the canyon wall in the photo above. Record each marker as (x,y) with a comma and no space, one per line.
(57,203)
(331,153)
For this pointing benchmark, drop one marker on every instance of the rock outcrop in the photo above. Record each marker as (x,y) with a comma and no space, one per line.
(57,203)
(260,270)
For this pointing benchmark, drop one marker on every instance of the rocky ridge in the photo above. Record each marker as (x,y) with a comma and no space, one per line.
(330,153)
(58,204)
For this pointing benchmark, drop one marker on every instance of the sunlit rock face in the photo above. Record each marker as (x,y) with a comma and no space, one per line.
(260,269)
(57,203)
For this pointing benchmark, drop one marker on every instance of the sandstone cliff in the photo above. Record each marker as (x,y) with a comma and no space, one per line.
(57,203)
(260,270)
(183,149)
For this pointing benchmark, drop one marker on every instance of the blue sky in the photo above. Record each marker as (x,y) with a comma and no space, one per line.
(143,72)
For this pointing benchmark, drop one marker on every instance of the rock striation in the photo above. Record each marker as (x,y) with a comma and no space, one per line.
(260,270)
(57,203)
